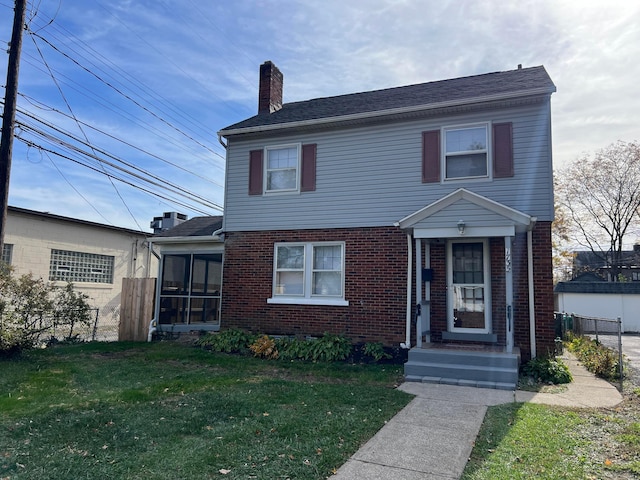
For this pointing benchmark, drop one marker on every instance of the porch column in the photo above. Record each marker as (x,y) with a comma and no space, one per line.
(508,293)
(418,290)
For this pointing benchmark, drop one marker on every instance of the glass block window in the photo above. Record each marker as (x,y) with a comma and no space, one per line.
(7,251)
(68,266)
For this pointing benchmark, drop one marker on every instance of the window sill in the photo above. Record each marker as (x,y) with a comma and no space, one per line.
(336,302)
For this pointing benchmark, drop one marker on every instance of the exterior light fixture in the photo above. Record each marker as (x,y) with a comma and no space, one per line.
(461,226)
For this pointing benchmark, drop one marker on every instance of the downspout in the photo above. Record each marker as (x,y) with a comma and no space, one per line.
(134,259)
(153,325)
(532,311)
(407,343)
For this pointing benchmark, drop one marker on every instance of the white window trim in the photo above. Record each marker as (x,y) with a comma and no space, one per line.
(307,298)
(486,261)
(443,155)
(265,172)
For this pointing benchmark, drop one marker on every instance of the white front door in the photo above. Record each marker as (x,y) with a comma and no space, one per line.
(468,286)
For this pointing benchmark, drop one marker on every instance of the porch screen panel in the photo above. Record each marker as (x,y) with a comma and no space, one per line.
(468,285)
(190,289)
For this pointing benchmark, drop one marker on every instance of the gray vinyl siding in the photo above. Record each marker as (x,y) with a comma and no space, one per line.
(372,176)
(472,215)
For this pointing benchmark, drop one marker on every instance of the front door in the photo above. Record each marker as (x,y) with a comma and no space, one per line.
(468,282)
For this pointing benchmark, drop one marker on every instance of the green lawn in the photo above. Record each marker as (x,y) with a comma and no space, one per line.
(169,411)
(525,441)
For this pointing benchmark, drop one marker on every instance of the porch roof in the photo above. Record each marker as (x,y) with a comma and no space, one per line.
(463,213)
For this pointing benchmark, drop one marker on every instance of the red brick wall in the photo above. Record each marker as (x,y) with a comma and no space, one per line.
(543,288)
(375,286)
(438,291)
(498,289)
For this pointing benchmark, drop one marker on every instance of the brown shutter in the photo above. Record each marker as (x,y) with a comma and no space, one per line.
(308,174)
(502,150)
(255,172)
(431,156)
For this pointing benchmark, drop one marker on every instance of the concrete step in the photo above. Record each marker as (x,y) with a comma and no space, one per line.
(487,369)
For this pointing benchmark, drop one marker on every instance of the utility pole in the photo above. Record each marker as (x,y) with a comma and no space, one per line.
(9,113)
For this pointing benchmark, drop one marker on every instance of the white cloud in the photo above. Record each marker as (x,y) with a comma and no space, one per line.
(196,65)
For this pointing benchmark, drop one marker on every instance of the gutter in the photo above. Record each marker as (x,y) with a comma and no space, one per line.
(200,239)
(383,113)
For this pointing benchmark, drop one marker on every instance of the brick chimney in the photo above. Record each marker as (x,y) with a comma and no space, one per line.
(270,94)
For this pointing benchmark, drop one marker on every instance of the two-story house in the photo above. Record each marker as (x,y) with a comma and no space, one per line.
(425,208)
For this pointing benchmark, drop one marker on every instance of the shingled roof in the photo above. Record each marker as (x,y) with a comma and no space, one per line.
(458,91)
(598,287)
(195,227)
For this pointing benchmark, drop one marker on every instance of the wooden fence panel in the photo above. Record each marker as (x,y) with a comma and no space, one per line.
(136,308)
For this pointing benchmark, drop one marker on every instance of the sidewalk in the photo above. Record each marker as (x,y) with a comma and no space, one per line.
(432,437)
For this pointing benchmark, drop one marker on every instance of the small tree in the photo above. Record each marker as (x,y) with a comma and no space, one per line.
(31,309)
(560,238)
(601,195)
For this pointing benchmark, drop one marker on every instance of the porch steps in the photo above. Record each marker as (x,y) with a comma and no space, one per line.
(471,368)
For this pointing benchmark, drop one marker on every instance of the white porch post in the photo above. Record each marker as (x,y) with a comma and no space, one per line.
(418,290)
(509,293)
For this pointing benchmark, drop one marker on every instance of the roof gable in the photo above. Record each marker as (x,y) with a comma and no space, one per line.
(471,208)
(458,91)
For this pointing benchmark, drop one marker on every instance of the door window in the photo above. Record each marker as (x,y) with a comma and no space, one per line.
(468,288)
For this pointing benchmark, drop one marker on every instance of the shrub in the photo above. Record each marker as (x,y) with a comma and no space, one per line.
(293,348)
(330,348)
(547,370)
(233,340)
(32,309)
(264,346)
(376,351)
(595,357)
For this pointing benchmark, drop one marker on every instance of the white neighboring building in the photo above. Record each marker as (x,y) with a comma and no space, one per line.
(94,256)
(601,300)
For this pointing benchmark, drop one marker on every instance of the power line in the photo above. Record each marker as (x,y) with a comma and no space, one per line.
(141,175)
(113,137)
(135,102)
(64,98)
(112,176)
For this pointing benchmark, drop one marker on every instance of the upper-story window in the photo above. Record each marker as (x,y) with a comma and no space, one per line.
(282,167)
(466,152)
(460,153)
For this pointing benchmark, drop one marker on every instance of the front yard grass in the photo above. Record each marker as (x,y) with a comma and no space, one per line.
(523,441)
(167,411)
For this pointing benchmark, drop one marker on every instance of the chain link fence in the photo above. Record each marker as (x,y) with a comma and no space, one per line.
(103,327)
(606,331)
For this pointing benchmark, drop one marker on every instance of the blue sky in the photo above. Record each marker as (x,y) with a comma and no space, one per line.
(150,82)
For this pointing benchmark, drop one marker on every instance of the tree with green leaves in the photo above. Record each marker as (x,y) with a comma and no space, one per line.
(600,194)
(32,310)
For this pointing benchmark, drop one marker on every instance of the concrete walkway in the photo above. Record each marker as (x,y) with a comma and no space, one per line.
(432,437)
